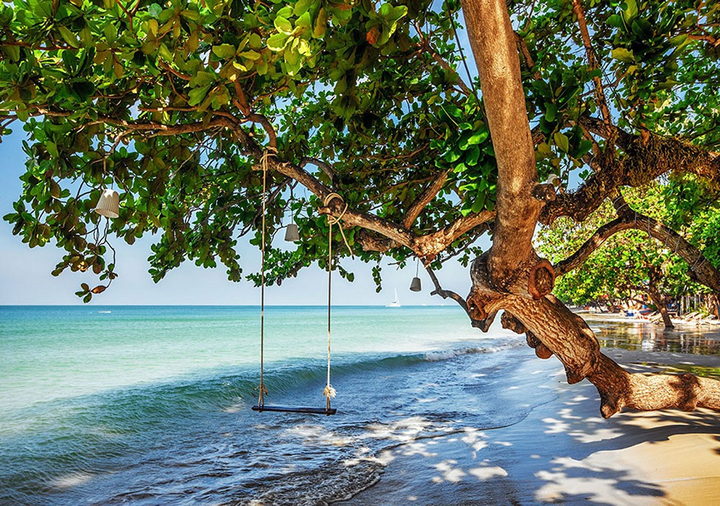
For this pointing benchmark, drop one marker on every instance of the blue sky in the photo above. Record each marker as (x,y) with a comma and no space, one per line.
(25,273)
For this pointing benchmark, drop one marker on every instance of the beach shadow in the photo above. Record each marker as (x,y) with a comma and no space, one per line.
(563,455)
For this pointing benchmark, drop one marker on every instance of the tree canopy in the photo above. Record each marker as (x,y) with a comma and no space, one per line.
(371,108)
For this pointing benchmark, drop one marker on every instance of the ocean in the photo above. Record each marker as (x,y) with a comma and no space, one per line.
(152,405)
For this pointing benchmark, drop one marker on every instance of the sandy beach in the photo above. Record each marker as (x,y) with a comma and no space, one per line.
(565,452)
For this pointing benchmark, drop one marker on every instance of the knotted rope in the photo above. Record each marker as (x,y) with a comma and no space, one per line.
(329,391)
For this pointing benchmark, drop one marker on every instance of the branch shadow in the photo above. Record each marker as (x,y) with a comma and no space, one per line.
(561,455)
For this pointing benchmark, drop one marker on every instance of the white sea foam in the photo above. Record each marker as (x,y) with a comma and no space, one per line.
(71,480)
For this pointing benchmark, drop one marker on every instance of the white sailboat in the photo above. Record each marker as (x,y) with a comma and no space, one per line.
(395,302)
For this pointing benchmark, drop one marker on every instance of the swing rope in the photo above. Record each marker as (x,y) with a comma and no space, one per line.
(262,390)
(329,391)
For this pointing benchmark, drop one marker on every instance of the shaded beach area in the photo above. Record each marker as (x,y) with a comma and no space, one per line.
(564,451)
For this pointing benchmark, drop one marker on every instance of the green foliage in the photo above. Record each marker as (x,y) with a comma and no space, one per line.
(173,103)
(627,262)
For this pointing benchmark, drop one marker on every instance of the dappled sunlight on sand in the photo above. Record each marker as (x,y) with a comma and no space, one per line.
(562,452)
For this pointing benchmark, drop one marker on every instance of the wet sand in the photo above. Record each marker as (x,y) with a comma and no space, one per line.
(564,451)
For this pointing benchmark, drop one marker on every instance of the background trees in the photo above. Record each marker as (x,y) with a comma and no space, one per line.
(631,264)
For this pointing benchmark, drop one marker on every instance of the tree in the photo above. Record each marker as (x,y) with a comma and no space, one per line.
(188,107)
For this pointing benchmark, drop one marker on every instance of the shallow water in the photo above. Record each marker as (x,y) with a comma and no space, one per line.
(151,405)
(635,334)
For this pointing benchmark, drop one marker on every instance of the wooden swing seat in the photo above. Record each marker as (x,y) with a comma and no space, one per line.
(289,409)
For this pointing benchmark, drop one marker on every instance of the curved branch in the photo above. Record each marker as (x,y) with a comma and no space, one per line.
(446,66)
(592,59)
(646,157)
(428,246)
(424,199)
(701,269)
(445,294)
(328,169)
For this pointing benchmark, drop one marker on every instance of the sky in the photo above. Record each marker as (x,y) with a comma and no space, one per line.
(25,277)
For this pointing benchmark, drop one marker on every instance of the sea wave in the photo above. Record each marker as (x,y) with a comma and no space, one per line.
(115,446)
(437,356)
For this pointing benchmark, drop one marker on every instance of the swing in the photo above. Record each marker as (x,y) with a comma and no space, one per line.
(329,391)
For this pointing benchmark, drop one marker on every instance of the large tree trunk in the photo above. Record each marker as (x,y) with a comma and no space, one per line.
(511,276)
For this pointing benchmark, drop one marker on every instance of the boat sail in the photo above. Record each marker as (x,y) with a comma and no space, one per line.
(395,302)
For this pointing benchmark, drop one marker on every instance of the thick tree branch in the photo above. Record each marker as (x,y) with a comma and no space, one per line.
(430,245)
(645,158)
(498,275)
(424,199)
(493,42)
(328,169)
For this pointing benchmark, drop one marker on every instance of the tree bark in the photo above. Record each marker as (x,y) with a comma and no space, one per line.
(660,302)
(511,277)
(493,43)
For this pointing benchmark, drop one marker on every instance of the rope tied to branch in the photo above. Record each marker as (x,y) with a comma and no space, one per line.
(332,220)
(329,392)
(262,390)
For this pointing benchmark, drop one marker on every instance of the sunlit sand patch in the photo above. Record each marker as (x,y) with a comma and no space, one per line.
(559,486)
(450,472)
(71,480)
(567,414)
(596,435)
(555,426)
(488,473)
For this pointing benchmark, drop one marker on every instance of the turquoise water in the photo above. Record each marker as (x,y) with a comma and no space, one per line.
(151,405)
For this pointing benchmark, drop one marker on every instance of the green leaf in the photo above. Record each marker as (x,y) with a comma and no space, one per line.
(277,42)
(630,10)
(197,95)
(250,55)
(202,78)
(624,55)
(615,20)
(283,25)
(304,21)
(550,111)
(562,141)
(301,7)
(224,51)
(474,139)
(68,36)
